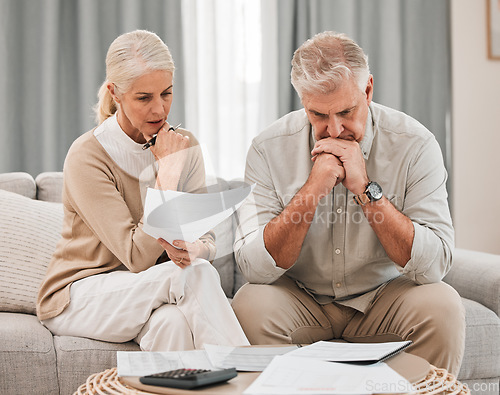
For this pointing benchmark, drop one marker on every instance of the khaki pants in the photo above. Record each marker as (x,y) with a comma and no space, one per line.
(163,308)
(431,315)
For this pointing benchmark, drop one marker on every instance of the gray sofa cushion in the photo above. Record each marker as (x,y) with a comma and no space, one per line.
(78,358)
(224,238)
(482,352)
(27,353)
(49,186)
(29,232)
(18,182)
(223,261)
(488,386)
(476,276)
(239,279)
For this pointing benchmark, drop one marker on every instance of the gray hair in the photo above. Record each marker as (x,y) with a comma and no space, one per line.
(130,56)
(323,62)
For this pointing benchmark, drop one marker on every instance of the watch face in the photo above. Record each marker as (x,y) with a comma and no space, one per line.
(374,190)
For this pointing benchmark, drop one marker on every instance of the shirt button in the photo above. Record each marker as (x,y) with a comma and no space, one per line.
(337,251)
(338,285)
(339,210)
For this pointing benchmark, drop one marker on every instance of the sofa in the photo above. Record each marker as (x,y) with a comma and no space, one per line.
(33,361)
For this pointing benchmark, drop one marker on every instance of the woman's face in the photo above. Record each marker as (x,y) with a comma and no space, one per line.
(144,108)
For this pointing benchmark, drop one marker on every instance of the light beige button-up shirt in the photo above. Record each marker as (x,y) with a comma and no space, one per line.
(341,258)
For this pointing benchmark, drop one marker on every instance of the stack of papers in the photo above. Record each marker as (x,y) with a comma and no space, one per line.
(351,352)
(286,370)
(140,363)
(244,359)
(310,370)
(289,375)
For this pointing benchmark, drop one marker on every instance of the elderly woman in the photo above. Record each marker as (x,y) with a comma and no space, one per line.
(108,279)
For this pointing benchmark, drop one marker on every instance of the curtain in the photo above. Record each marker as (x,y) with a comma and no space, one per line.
(222,45)
(232,67)
(52,62)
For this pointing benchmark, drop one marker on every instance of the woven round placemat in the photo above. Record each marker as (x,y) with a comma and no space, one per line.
(437,381)
(106,383)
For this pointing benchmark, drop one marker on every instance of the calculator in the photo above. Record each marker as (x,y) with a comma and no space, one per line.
(189,378)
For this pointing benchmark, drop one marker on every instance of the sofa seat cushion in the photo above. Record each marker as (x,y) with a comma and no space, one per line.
(78,358)
(27,354)
(29,232)
(482,351)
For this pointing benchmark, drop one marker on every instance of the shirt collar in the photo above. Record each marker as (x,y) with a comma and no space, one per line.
(123,138)
(366,143)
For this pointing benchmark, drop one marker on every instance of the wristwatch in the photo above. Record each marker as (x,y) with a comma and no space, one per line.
(373,192)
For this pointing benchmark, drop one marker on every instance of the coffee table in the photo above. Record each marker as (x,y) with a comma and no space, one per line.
(416,370)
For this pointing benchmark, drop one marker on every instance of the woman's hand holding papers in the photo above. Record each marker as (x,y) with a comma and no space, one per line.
(183,253)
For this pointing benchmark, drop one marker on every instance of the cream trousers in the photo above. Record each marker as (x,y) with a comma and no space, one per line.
(430,315)
(164,308)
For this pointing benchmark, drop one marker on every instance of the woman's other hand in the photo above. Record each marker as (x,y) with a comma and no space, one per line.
(183,253)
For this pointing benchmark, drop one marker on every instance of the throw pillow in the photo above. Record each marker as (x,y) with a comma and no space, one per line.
(29,231)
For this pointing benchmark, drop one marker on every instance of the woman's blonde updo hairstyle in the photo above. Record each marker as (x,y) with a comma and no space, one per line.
(130,56)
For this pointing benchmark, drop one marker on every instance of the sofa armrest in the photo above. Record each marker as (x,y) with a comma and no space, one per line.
(18,182)
(476,276)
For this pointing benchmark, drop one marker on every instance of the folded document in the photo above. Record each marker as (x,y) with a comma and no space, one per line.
(174,215)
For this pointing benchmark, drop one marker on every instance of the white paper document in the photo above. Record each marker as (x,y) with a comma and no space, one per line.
(174,215)
(350,352)
(244,359)
(288,375)
(139,363)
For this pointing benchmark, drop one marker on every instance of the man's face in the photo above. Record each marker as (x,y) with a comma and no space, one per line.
(341,114)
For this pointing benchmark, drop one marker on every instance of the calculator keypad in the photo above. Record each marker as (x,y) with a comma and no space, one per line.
(177,373)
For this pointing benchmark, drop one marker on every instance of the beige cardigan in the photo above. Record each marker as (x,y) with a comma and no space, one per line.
(102,226)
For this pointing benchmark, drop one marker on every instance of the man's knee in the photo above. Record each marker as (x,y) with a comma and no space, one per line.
(440,306)
(264,313)
(440,326)
(280,313)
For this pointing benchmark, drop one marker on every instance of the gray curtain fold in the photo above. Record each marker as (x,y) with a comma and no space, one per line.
(52,55)
(407,43)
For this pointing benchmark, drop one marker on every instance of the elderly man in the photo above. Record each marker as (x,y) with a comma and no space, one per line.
(349,232)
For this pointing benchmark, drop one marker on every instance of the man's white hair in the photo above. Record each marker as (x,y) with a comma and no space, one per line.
(325,61)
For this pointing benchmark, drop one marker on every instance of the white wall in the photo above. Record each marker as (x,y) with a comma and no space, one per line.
(475,130)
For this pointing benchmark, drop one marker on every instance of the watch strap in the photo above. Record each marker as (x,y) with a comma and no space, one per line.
(362,199)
